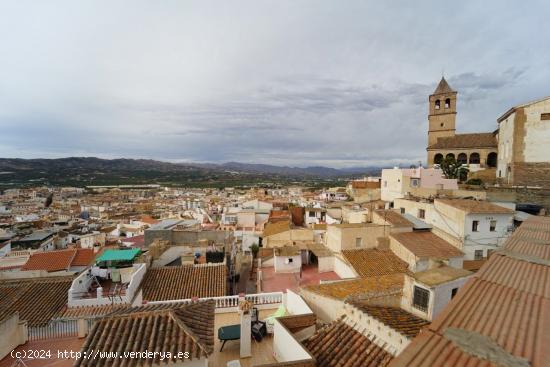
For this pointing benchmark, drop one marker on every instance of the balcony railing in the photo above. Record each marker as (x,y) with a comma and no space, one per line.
(230,303)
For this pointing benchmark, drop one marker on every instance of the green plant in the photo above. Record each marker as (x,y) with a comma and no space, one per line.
(255,249)
(474,181)
(453,169)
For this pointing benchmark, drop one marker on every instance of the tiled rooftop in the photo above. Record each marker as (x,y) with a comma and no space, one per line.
(473,265)
(393,218)
(83,257)
(458,141)
(396,318)
(275,228)
(188,328)
(339,345)
(37,300)
(90,311)
(183,282)
(503,311)
(360,287)
(372,262)
(61,345)
(59,260)
(427,245)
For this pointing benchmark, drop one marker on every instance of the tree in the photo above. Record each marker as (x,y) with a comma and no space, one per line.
(453,169)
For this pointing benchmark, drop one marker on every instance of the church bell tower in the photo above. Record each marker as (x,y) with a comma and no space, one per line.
(442,117)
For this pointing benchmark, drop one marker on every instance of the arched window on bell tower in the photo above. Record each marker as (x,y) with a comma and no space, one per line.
(448,103)
(437,104)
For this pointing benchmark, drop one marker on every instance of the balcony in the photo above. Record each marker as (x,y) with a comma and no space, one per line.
(90,290)
(273,348)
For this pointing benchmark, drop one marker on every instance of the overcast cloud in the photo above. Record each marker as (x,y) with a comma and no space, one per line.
(335,83)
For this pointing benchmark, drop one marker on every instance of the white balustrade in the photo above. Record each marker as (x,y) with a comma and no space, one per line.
(232,302)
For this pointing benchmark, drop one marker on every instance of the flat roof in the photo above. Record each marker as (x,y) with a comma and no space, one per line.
(37,236)
(417,223)
(475,206)
(443,274)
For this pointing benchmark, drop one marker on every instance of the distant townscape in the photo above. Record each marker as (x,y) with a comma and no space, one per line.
(144,263)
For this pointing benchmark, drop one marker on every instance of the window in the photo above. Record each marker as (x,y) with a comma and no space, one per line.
(421,298)
(493,225)
(489,252)
(475,224)
(312,214)
(545,116)
(421,213)
(478,254)
(402,210)
(437,104)
(453,292)
(414,182)
(290,260)
(358,242)
(448,103)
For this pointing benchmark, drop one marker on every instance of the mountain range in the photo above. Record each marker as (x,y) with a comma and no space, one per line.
(83,171)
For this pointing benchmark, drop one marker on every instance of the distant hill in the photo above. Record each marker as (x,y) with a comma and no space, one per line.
(83,171)
(282,170)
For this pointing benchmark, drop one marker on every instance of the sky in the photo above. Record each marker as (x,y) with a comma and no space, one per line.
(299,83)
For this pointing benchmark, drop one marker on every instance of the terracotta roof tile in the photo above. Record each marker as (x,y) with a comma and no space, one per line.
(473,265)
(532,238)
(393,317)
(37,300)
(362,287)
(426,245)
(184,282)
(275,228)
(84,257)
(340,345)
(59,260)
(185,329)
(523,275)
(90,311)
(430,349)
(50,260)
(372,262)
(465,141)
(504,310)
(393,218)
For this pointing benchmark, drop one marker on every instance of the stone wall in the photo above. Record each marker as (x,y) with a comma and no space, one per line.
(521,195)
(531,174)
